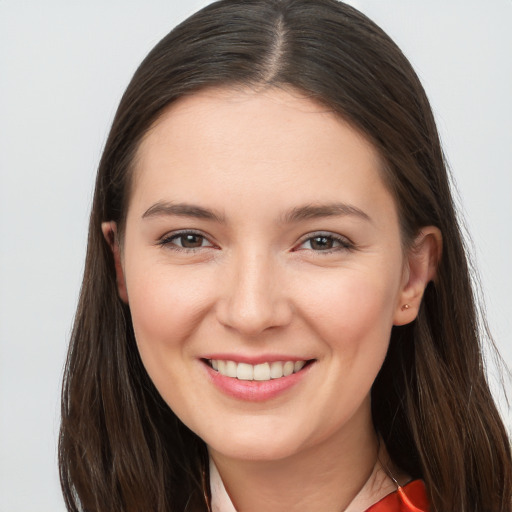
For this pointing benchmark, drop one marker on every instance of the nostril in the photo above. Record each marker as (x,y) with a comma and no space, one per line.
(251,299)
(252,318)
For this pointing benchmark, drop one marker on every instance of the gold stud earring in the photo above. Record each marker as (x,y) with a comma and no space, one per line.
(405,307)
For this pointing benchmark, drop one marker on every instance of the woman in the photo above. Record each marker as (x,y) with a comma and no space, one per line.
(276,311)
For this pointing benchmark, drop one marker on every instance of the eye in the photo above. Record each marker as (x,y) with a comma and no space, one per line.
(185,240)
(325,242)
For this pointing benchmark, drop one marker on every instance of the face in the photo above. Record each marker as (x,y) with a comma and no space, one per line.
(263,267)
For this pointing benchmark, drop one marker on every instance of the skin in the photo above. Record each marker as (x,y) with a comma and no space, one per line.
(257,282)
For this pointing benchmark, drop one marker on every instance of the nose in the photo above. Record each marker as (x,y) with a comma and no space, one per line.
(254,296)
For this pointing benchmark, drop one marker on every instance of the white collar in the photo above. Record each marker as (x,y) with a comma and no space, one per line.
(221,502)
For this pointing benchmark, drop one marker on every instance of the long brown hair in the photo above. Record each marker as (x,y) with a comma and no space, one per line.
(121,447)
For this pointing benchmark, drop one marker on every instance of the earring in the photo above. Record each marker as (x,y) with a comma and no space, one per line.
(405,307)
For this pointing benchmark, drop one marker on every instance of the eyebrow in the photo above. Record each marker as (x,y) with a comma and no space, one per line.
(182,210)
(312,211)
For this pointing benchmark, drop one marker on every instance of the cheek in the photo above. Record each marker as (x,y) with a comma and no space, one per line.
(352,315)
(351,306)
(166,307)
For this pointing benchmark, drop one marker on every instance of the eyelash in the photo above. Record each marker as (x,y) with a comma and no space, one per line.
(344,243)
(168,241)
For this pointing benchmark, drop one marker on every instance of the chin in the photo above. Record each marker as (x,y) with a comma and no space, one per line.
(254,446)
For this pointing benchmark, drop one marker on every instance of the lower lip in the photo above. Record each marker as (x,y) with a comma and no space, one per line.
(255,390)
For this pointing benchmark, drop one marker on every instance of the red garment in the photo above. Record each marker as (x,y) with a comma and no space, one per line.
(409,498)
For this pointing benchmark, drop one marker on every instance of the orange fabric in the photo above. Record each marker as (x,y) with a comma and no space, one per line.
(410,498)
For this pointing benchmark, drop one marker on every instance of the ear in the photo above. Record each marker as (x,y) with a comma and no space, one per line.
(420,268)
(109,230)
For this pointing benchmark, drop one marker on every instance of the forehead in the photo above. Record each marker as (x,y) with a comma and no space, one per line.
(214,113)
(231,142)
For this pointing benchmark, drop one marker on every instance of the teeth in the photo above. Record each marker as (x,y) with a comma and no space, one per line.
(261,372)
(276,370)
(298,366)
(244,371)
(231,369)
(288,368)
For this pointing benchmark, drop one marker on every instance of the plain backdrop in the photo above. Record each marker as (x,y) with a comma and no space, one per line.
(63,67)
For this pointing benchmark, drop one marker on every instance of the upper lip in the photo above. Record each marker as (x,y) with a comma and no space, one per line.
(254,359)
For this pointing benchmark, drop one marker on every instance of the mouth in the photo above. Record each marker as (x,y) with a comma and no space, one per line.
(265,371)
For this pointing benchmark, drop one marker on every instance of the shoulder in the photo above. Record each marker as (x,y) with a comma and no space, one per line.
(409,498)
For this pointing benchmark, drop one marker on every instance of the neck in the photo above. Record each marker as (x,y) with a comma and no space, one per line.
(341,474)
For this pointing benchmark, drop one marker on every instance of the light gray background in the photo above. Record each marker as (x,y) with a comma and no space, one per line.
(63,67)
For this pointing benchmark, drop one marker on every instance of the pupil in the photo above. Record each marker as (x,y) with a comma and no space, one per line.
(321,242)
(191,241)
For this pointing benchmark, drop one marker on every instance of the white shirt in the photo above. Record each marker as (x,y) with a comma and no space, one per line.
(221,502)
(379,481)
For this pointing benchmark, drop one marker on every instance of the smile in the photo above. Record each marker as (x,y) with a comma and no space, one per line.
(258,372)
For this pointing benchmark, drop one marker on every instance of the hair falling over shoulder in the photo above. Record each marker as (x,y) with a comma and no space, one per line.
(121,447)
